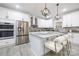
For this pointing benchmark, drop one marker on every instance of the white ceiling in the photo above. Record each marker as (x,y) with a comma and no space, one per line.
(35,8)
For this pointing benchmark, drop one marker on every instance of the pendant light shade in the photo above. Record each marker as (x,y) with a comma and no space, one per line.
(45,12)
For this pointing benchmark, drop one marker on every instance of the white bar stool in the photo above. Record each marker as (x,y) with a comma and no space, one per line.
(63,42)
(54,46)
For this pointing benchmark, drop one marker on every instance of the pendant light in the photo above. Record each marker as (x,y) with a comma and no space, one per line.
(57,17)
(45,12)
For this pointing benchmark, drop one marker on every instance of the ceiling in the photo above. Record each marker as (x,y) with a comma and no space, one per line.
(35,8)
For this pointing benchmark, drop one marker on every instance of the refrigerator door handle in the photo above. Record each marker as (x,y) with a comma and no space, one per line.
(19,29)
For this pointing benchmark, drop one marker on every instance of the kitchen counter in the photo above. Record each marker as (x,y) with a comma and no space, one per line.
(45,35)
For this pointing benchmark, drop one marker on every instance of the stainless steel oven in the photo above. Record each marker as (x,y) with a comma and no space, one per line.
(6,30)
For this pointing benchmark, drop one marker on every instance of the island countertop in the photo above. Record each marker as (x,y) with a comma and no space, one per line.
(46,34)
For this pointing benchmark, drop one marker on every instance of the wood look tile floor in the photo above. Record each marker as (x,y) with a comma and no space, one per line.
(25,49)
(20,50)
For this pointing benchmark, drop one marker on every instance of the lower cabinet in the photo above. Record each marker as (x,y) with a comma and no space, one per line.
(7,42)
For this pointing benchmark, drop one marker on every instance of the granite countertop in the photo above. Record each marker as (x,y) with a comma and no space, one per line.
(46,34)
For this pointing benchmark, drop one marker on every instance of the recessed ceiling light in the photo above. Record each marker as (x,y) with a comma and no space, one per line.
(64,10)
(17,6)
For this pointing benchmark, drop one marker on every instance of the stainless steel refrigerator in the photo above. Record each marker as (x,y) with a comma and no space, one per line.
(22,32)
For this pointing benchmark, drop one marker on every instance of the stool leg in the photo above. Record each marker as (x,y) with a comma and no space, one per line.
(64,51)
(61,53)
(69,47)
(68,50)
(44,50)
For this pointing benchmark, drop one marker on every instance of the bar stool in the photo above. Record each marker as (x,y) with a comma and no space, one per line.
(68,47)
(54,46)
(63,42)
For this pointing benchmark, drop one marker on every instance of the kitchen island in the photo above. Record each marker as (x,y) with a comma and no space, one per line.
(38,39)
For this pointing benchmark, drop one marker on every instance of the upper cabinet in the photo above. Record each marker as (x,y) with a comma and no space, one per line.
(71,19)
(12,15)
(3,12)
(67,21)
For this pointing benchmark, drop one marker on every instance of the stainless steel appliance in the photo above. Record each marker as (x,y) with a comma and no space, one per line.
(6,30)
(22,32)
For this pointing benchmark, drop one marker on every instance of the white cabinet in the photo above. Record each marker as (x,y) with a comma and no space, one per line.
(75,19)
(71,19)
(67,20)
(3,12)
(7,42)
